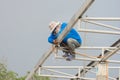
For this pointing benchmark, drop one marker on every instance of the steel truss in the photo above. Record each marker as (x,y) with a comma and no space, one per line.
(101,60)
(62,74)
(88,57)
(59,74)
(92,20)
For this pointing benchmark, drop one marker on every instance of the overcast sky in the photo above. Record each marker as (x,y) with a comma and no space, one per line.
(24,27)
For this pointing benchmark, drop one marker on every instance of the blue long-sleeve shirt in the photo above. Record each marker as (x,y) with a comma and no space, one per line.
(72,34)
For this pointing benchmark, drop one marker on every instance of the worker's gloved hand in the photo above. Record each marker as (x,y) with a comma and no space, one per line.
(55,42)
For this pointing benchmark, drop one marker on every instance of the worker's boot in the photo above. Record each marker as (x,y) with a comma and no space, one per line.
(66,51)
(70,57)
(65,55)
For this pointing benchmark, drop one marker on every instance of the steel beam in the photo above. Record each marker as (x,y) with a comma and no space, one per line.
(99,31)
(101,24)
(102,18)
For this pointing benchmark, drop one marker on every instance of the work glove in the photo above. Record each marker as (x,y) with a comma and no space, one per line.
(55,42)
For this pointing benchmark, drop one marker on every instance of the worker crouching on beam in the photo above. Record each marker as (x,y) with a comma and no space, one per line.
(70,42)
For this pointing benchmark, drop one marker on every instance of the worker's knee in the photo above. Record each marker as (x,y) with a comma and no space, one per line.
(73,43)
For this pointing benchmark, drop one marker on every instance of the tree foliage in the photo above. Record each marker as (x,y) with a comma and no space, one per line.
(10,75)
(5,74)
(36,77)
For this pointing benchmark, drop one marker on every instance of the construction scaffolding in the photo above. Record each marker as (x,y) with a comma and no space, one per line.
(99,63)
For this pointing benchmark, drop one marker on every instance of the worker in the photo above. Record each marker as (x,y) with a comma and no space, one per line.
(71,41)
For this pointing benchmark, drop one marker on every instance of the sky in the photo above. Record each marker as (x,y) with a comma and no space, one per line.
(24,28)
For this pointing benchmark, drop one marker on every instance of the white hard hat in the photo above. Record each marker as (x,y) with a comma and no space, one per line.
(53,25)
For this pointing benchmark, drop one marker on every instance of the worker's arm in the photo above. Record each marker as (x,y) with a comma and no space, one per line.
(52,39)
